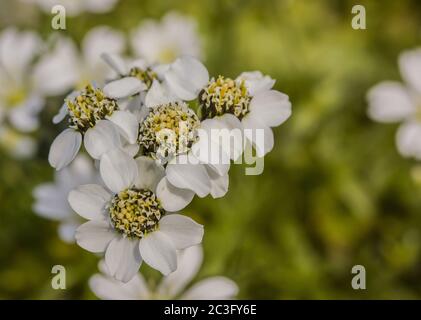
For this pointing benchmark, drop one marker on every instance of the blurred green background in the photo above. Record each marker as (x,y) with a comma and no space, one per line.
(334,192)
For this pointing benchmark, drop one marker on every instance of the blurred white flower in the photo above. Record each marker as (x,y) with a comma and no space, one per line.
(172,286)
(76,7)
(64,68)
(162,42)
(51,198)
(248,102)
(392,101)
(95,119)
(19,145)
(20,97)
(130,222)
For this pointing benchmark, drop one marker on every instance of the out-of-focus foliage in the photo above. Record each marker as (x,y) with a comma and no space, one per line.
(334,192)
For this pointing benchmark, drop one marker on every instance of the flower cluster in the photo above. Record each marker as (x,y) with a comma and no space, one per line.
(161,131)
(151,155)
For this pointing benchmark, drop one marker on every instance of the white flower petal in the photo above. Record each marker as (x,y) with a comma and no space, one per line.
(410,66)
(103,137)
(124,87)
(389,102)
(123,258)
(99,6)
(173,199)
(62,113)
(183,231)
(212,137)
(158,251)
(99,40)
(89,201)
(25,117)
(182,174)
(259,135)
(159,94)
(50,202)
(408,139)
(219,183)
(150,173)
(66,231)
(94,235)
(115,62)
(232,143)
(162,42)
(23,147)
(189,262)
(107,288)
(118,170)
(51,75)
(272,108)
(64,148)
(214,288)
(256,82)
(127,123)
(131,149)
(17,50)
(186,77)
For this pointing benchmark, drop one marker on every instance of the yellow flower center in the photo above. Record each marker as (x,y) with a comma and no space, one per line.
(88,107)
(167,55)
(15,97)
(224,95)
(135,213)
(168,130)
(146,76)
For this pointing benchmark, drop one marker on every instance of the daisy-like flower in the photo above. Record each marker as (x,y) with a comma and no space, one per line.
(65,68)
(168,134)
(172,286)
(131,222)
(98,121)
(51,198)
(76,7)
(162,42)
(20,98)
(134,78)
(138,84)
(248,102)
(392,101)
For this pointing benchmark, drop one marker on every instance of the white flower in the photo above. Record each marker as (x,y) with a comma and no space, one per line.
(20,98)
(247,102)
(65,68)
(51,198)
(131,222)
(75,7)
(392,101)
(98,121)
(172,286)
(163,42)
